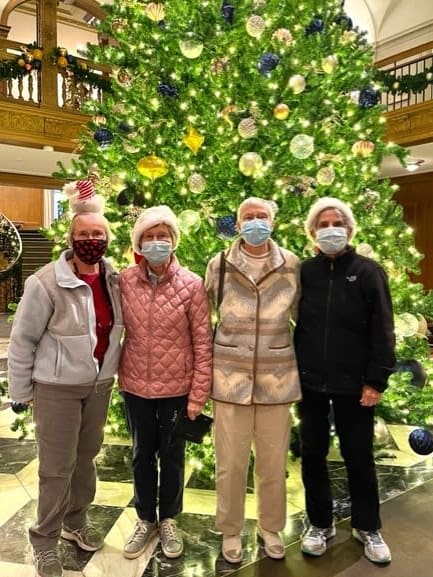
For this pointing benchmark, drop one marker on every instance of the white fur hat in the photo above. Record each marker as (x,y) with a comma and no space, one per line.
(151,217)
(323,204)
(82,197)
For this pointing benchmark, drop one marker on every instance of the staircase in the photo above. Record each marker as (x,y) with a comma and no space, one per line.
(36,252)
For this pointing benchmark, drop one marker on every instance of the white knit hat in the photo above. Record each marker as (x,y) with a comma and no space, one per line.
(323,204)
(151,217)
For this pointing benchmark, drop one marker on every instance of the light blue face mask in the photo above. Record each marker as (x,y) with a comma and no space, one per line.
(156,251)
(256,232)
(332,239)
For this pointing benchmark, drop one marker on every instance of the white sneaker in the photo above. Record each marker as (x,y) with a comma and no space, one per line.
(375,548)
(313,541)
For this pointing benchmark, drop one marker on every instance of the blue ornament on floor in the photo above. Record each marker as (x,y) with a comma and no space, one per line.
(368,97)
(421,441)
(227,12)
(226,226)
(314,27)
(268,62)
(168,90)
(103,137)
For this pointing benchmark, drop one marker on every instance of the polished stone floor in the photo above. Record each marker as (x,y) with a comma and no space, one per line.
(399,471)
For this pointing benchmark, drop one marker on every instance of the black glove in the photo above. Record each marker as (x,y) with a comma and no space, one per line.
(18,407)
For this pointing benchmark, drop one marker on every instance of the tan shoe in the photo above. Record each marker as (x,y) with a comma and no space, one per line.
(232,548)
(272,542)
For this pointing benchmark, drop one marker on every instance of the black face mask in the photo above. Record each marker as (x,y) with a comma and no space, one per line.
(90,250)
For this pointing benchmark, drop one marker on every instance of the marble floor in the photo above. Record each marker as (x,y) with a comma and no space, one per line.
(399,470)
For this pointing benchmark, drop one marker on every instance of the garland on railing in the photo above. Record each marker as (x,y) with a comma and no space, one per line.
(406,83)
(78,69)
(30,59)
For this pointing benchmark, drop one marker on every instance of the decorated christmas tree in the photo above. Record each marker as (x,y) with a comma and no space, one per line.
(214,101)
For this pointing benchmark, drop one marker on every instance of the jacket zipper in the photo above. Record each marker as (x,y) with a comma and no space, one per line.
(328,310)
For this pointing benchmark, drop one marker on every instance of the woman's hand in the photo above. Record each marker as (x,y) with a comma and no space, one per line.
(193,410)
(370,396)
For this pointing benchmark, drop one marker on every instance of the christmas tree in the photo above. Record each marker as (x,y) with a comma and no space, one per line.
(214,101)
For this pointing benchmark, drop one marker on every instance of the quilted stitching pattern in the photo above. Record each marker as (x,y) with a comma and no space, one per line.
(168,347)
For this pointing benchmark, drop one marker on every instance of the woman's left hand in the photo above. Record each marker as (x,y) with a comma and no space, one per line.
(193,410)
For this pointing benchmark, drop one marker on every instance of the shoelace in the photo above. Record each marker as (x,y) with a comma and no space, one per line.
(316,533)
(374,538)
(139,532)
(47,556)
(169,531)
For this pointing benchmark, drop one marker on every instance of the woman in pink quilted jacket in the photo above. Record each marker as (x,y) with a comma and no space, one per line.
(165,367)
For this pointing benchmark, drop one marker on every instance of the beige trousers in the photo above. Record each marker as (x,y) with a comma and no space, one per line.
(237,429)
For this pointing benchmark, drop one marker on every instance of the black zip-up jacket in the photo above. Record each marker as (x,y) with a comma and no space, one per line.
(344,335)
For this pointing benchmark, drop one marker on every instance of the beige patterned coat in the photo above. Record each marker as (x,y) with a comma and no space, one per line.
(254,357)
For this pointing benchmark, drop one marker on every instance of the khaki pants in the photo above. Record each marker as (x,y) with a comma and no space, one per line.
(69,422)
(237,428)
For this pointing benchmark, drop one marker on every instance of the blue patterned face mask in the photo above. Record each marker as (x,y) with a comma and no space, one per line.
(332,239)
(156,251)
(256,232)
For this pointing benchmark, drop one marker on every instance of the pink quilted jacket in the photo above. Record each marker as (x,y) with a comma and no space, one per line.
(167,350)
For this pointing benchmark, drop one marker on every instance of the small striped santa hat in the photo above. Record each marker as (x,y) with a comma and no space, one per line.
(82,197)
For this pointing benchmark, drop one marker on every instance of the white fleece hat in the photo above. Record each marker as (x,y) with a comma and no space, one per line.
(149,218)
(323,204)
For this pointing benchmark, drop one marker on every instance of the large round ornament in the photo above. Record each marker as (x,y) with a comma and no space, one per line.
(155,11)
(250,163)
(302,146)
(103,137)
(268,62)
(152,166)
(196,183)
(406,325)
(363,148)
(255,26)
(191,48)
(316,26)
(189,221)
(368,97)
(329,64)
(297,83)
(419,375)
(281,111)
(226,226)
(283,35)
(247,128)
(421,441)
(325,175)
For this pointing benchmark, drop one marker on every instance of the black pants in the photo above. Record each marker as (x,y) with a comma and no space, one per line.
(354,426)
(150,424)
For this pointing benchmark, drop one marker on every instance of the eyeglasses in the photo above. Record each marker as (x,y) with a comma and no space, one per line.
(97,235)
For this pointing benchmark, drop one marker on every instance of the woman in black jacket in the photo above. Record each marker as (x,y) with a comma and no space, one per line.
(344,342)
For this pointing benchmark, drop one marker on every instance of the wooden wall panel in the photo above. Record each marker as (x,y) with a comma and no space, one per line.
(416,197)
(22,205)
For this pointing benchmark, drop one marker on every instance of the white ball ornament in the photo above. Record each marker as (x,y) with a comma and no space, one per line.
(250,163)
(255,26)
(302,146)
(196,183)
(325,176)
(191,48)
(329,64)
(247,128)
(297,83)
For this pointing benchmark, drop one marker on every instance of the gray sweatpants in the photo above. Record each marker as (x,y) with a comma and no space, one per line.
(69,421)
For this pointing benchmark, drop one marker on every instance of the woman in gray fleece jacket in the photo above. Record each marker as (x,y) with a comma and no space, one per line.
(63,355)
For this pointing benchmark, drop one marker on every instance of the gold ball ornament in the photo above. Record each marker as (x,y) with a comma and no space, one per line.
(21,62)
(152,166)
(247,128)
(281,111)
(191,48)
(329,64)
(297,83)
(363,148)
(255,26)
(283,35)
(196,183)
(155,11)
(348,37)
(325,175)
(62,62)
(302,146)
(37,54)
(62,52)
(429,76)
(189,221)
(250,164)
(124,77)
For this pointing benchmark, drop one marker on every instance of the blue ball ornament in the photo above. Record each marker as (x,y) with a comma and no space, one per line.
(419,375)
(421,441)
(103,137)
(344,20)
(71,59)
(226,226)
(268,62)
(168,90)
(368,97)
(125,127)
(316,26)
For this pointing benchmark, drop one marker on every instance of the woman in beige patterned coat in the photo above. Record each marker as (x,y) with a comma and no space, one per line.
(255,377)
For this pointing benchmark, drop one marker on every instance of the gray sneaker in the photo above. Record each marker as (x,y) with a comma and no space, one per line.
(47,563)
(375,548)
(140,539)
(87,538)
(171,538)
(313,540)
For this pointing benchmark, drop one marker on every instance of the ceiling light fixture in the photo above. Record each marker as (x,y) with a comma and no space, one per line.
(413,164)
